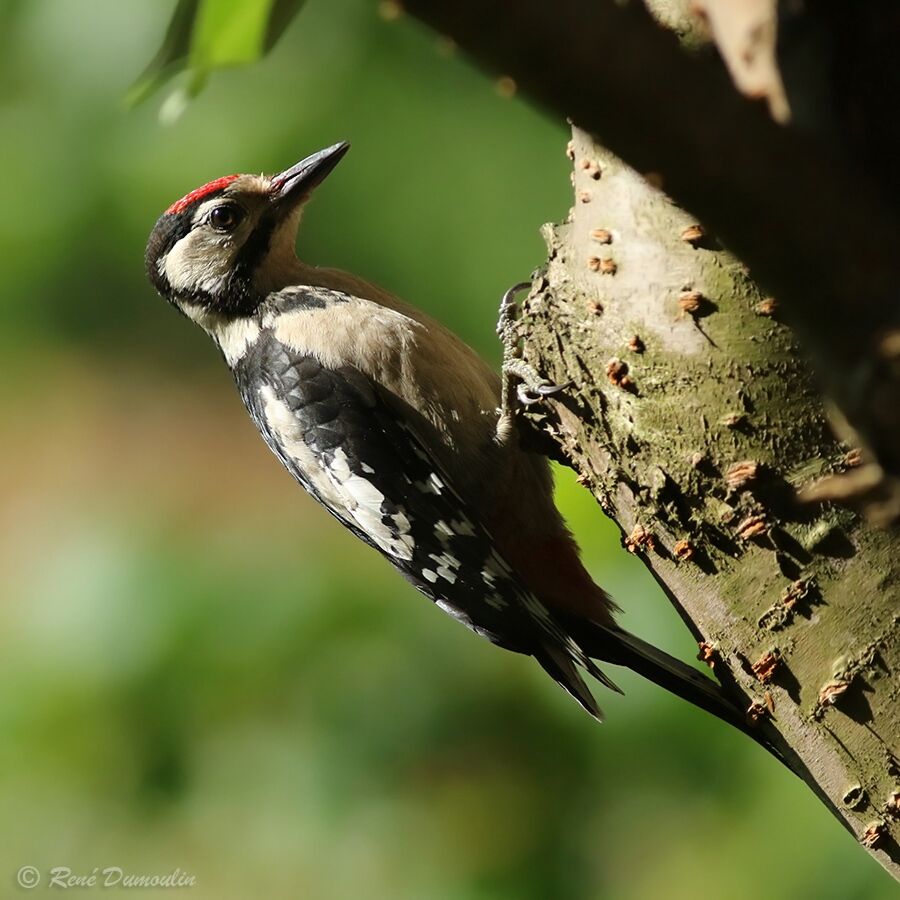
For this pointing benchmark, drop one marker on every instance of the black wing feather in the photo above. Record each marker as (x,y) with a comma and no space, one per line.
(355,447)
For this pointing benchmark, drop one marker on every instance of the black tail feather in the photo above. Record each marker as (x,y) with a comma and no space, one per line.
(560,666)
(621,648)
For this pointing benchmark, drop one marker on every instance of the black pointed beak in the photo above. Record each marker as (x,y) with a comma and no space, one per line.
(297,183)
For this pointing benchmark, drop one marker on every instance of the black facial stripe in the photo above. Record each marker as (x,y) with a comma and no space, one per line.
(255,248)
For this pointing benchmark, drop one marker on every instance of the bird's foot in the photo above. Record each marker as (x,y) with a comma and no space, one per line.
(521,383)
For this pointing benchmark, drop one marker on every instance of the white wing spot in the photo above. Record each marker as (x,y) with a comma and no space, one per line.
(428,575)
(445,559)
(427,487)
(446,565)
(500,563)
(496,567)
(463,526)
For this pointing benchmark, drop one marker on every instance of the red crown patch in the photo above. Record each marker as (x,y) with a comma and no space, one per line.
(199,193)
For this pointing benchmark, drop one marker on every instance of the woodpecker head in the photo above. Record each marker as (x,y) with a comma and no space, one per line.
(222,248)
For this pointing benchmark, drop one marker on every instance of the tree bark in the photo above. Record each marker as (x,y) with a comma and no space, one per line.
(694,419)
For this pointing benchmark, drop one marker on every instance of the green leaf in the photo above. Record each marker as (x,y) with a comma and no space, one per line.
(204,35)
(171,56)
(229,32)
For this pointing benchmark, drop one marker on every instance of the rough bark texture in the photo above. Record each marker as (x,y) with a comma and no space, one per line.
(693,418)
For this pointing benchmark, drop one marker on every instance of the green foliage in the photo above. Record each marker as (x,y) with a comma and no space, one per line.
(204,35)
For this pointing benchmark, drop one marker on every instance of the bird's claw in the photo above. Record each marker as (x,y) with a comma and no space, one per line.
(529,394)
(522,385)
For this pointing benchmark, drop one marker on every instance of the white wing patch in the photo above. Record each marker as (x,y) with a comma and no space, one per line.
(338,486)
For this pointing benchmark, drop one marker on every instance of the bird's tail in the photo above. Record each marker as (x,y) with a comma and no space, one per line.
(621,648)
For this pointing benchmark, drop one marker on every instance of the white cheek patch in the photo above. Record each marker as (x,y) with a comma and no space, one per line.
(198,262)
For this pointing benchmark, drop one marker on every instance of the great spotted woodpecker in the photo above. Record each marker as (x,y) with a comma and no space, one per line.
(392,423)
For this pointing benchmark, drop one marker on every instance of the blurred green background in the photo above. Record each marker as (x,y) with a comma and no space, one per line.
(199,668)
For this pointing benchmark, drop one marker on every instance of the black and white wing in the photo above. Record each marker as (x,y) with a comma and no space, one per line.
(367,465)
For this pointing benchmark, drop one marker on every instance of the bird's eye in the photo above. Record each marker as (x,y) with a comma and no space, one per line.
(225,217)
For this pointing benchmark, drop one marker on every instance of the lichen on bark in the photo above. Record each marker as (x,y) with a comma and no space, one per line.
(694,417)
